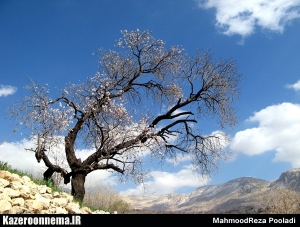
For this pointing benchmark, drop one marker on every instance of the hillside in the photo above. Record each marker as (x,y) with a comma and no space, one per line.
(20,195)
(243,194)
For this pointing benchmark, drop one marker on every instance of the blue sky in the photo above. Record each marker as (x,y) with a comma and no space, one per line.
(52,42)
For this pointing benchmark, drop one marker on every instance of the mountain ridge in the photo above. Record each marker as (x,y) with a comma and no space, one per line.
(240,194)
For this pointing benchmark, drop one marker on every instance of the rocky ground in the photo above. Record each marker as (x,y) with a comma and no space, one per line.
(19,195)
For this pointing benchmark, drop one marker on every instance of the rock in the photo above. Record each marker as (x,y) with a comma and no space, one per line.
(20,195)
(3,183)
(34,205)
(25,191)
(60,202)
(43,200)
(10,176)
(42,189)
(67,196)
(5,206)
(100,212)
(290,178)
(48,190)
(86,210)
(17,210)
(48,196)
(26,179)
(60,210)
(73,208)
(11,192)
(56,195)
(16,185)
(18,202)
(5,197)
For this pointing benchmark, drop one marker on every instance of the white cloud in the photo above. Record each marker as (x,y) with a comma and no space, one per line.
(101,176)
(179,159)
(218,139)
(166,182)
(278,129)
(98,175)
(295,86)
(241,17)
(6,90)
(15,155)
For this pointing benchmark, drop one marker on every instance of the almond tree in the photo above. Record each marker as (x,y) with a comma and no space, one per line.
(144,99)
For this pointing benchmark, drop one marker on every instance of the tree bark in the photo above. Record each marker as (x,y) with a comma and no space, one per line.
(77,184)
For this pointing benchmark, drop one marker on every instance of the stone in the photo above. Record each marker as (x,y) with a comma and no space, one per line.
(3,183)
(18,202)
(34,205)
(24,191)
(16,185)
(60,201)
(56,195)
(42,189)
(4,174)
(26,179)
(17,210)
(48,190)
(86,210)
(11,192)
(5,197)
(61,210)
(20,195)
(48,196)
(100,212)
(73,208)
(43,200)
(67,196)
(5,206)
(16,177)
(9,176)
(45,212)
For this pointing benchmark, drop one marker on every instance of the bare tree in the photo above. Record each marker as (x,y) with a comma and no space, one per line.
(145,98)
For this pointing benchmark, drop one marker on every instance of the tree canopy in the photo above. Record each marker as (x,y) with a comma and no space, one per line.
(146,98)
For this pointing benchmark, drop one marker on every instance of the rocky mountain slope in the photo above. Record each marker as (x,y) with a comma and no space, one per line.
(289,178)
(241,194)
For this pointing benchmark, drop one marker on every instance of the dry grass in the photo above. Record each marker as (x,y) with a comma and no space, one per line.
(282,200)
(106,197)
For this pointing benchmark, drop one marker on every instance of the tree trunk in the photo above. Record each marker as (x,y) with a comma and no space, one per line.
(77,184)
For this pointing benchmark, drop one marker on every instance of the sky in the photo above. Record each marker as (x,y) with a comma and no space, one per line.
(53,41)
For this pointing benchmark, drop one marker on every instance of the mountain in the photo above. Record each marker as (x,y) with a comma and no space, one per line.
(240,195)
(290,179)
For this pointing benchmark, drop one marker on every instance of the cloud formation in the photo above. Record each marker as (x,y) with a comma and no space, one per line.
(160,182)
(278,129)
(295,86)
(6,90)
(167,182)
(242,17)
(15,155)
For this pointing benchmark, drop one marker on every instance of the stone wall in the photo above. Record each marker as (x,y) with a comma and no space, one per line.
(20,195)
